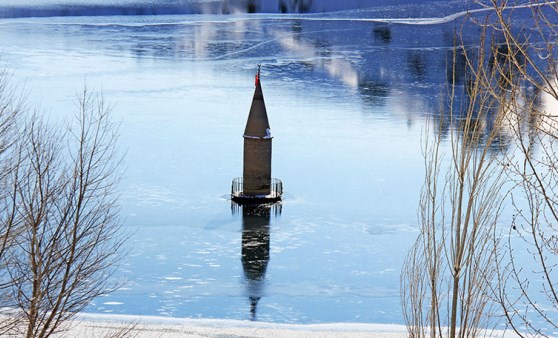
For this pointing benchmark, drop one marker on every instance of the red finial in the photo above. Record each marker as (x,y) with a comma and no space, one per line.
(258,75)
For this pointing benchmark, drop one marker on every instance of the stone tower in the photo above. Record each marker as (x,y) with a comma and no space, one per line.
(256,183)
(257,147)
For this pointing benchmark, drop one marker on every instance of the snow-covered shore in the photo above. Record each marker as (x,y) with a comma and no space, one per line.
(107,325)
(88,325)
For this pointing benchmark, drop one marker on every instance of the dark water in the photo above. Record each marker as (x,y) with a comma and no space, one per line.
(347,95)
(379,8)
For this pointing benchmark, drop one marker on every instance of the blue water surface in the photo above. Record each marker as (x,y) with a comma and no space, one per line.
(347,95)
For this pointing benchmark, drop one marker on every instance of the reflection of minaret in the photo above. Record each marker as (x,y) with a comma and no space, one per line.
(255,247)
(255,251)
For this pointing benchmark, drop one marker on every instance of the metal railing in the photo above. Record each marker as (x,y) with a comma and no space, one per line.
(237,186)
(237,189)
(277,187)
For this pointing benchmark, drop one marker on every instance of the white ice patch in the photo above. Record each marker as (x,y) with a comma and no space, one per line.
(113,303)
(172,278)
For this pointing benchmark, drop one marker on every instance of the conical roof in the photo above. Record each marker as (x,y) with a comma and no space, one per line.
(257,124)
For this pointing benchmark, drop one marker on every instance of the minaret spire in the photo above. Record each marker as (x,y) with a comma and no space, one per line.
(257,124)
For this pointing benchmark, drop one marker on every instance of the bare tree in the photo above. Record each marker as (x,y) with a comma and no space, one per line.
(420,282)
(65,197)
(447,275)
(527,287)
(11,106)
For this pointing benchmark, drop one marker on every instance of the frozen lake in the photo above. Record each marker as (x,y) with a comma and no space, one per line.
(347,95)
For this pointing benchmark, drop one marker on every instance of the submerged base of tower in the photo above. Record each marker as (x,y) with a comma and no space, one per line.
(245,197)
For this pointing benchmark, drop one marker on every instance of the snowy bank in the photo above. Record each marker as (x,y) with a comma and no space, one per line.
(96,325)
(101,325)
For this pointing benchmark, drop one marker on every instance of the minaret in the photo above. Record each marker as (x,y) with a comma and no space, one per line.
(256,184)
(257,147)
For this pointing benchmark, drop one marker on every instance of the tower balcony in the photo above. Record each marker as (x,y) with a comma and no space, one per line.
(275,192)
